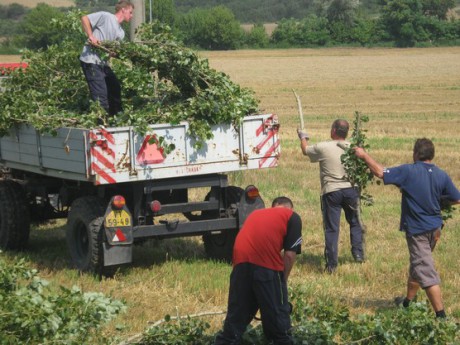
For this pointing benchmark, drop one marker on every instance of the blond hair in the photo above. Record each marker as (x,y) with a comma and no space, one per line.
(123,4)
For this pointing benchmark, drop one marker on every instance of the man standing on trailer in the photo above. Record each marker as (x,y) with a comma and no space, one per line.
(423,185)
(103,84)
(263,255)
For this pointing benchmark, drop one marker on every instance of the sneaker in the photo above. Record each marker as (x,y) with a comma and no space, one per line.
(399,300)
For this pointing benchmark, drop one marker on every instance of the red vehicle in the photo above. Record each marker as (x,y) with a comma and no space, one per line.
(6,67)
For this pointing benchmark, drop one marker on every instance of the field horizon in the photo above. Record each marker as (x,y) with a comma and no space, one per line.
(407,94)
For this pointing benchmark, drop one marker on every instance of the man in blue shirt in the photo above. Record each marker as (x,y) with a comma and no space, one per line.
(422,185)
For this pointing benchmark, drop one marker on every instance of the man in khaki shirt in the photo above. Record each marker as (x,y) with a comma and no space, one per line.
(336,193)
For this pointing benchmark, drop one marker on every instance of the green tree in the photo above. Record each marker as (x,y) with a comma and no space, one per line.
(37,29)
(257,37)
(437,8)
(213,29)
(366,31)
(343,11)
(164,11)
(404,21)
(13,11)
(310,31)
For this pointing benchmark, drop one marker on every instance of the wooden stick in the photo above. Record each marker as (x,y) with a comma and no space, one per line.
(299,105)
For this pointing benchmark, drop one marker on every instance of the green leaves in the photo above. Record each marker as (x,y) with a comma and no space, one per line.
(32,313)
(357,171)
(162,82)
(324,322)
(185,331)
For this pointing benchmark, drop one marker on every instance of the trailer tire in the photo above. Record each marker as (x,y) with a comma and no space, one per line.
(14,216)
(85,235)
(219,247)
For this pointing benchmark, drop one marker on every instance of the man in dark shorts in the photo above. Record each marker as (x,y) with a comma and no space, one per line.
(422,185)
(264,253)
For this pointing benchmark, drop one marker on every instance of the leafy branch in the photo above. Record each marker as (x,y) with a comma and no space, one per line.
(162,82)
(31,312)
(358,173)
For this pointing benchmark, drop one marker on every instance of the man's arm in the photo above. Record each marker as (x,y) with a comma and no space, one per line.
(289,259)
(375,167)
(86,24)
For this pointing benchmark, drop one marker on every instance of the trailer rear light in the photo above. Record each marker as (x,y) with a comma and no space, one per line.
(118,202)
(252,192)
(155,206)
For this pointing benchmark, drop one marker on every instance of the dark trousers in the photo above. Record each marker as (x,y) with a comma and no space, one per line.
(104,86)
(252,288)
(332,205)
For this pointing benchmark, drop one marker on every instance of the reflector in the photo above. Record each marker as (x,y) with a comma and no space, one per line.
(118,201)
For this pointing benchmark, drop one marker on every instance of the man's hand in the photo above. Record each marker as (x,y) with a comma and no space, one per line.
(93,41)
(302,134)
(375,167)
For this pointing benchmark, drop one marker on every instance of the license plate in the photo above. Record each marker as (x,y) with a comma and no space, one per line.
(117,219)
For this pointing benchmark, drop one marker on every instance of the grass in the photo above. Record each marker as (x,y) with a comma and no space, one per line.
(406,93)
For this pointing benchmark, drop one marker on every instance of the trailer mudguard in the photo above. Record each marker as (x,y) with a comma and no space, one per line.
(118,226)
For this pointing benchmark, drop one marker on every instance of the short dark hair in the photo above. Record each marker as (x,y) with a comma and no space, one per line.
(283,201)
(341,127)
(423,150)
(123,4)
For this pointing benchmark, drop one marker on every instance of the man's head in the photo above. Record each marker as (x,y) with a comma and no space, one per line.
(339,129)
(423,150)
(124,10)
(282,201)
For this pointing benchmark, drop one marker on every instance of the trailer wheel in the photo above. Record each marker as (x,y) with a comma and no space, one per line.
(220,246)
(85,235)
(14,216)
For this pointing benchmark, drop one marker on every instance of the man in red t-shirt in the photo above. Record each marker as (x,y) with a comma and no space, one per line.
(264,253)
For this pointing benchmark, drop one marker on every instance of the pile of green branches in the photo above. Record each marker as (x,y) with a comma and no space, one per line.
(324,322)
(162,82)
(34,312)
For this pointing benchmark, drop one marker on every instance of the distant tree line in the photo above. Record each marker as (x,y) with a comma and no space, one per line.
(403,23)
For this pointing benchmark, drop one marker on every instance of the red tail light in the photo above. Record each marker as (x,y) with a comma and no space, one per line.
(252,192)
(118,202)
(155,206)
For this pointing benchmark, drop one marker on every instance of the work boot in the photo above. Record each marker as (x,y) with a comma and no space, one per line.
(358,258)
(330,269)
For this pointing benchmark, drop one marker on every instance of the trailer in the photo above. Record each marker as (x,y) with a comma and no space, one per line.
(117,187)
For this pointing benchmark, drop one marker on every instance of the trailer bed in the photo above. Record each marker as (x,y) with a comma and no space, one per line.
(119,154)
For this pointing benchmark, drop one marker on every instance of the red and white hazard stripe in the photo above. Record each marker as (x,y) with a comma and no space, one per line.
(102,149)
(269,143)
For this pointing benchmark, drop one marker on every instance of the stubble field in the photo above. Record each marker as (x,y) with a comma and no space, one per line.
(407,94)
